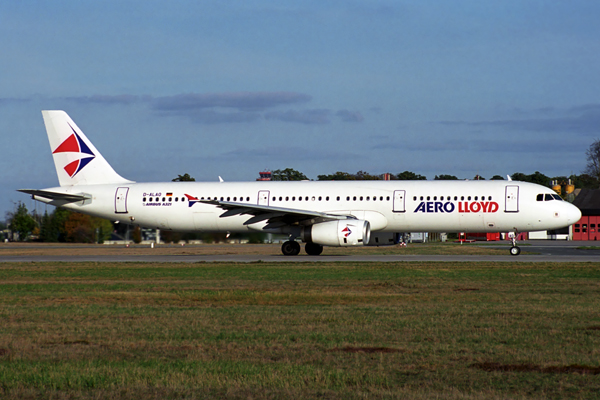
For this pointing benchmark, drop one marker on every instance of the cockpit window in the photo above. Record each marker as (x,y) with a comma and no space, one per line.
(548,197)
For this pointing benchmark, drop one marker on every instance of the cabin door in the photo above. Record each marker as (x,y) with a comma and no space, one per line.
(263,198)
(121,200)
(399,200)
(511,198)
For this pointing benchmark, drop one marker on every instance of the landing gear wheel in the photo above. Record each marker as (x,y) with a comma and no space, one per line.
(515,251)
(313,249)
(290,248)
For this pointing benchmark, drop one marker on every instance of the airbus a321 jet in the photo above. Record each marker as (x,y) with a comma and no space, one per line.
(323,213)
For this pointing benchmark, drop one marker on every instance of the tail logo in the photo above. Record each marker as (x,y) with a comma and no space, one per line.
(74,144)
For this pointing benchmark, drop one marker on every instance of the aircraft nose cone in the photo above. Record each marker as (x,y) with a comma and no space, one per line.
(573,214)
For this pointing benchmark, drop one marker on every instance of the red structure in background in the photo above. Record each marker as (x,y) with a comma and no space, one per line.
(472,237)
(588,201)
(265,176)
(587,228)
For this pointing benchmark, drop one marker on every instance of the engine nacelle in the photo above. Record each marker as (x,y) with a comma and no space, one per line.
(349,232)
(384,238)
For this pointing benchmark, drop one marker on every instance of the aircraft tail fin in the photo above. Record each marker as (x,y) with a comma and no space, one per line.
(76,159)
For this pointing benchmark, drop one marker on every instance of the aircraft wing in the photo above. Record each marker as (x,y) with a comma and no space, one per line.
(275,216)
(67,197)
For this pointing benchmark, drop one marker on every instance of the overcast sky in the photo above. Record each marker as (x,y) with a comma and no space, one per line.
(231,88)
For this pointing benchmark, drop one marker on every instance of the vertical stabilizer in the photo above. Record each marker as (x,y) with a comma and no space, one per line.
(76,159)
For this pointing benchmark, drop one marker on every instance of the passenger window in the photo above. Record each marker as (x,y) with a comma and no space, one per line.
(475,198)
(469,198)
(299,198)
(388,198)
(455,198)
(293,198)
(354,198)
(361,198)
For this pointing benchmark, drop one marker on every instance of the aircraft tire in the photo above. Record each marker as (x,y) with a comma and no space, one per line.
(313,249)
(290,248)
(515,250)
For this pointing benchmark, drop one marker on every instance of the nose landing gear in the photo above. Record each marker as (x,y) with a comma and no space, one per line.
(514,249)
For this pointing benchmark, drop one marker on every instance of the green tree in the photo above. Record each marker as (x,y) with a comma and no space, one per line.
(410,176)
(288,174)
(338,176)
(345,176)
(536,177)
(82,228)
(21,221)
(585,181)
(497,178)
(445,178)
(184,178)
(365,176)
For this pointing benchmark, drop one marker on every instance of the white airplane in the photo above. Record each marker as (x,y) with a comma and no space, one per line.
(323,213)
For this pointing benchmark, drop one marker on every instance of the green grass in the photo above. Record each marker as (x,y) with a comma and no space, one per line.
(335,330)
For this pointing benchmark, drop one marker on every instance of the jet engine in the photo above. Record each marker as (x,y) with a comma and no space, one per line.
(343,233)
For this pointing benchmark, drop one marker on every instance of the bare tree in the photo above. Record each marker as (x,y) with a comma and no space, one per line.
(592,155)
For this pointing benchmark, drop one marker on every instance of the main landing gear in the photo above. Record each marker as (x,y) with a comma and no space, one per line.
(292,248)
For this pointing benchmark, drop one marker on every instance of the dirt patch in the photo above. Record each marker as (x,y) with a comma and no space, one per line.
(4,352)
(559,369)
(352,349)
(466,290)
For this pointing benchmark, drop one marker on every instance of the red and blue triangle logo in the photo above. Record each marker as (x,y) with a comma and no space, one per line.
(74,144)
(191,199)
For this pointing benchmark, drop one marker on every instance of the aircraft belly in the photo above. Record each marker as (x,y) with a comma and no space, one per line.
(206,221)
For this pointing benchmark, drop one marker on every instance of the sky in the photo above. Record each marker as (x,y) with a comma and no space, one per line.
(231,88)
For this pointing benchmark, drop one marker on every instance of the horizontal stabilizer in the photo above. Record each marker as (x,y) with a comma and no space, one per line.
(69,198)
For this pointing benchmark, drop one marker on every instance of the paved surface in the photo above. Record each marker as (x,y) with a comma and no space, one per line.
(545,251)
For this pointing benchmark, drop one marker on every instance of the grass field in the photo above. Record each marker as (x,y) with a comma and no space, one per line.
(266,331)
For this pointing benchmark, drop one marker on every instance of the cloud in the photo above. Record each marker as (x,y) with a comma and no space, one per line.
(109,100)
(216,117)
(350,116)
(285,153)
(316,116)
(237,100)
(12,100)
(583,119)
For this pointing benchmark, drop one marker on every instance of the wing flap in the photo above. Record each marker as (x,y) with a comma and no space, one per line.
(275,216)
